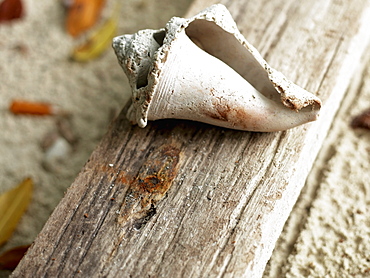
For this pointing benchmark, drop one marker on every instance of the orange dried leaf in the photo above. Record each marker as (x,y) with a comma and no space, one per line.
(10,259)
(28,107)
(13,204)
(82,15)
(10,9)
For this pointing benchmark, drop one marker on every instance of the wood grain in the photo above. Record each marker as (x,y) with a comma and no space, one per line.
(184,199)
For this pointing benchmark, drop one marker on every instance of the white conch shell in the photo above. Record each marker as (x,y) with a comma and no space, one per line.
(203,69)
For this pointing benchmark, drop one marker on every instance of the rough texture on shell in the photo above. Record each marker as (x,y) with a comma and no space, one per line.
(143,54)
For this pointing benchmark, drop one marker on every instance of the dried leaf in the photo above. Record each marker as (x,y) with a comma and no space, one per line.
(13,204)
(10,259)
(82,15)
(362,120)
(10,10)
(28,107)
(98,42)
(35,108)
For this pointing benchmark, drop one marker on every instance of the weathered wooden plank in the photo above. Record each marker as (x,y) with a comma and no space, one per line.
(183,199)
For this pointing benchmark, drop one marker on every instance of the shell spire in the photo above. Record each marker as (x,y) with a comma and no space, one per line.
(203,69)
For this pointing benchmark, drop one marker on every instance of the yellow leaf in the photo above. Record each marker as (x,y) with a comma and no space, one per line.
(13,204)
(98,42)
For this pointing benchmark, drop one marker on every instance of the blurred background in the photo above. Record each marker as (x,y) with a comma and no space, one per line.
(61,86)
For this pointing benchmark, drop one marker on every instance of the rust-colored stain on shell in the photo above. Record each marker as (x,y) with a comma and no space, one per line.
(221,111)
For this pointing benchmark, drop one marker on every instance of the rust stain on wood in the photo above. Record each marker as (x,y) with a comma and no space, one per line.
(151,184)
(156,175)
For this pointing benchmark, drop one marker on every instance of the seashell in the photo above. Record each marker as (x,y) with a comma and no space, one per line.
(203,69)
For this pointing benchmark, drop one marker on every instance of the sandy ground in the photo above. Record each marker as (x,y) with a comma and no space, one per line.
(328,233)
